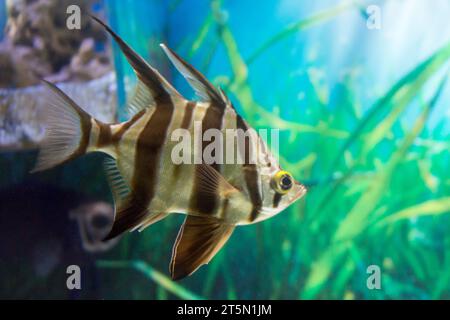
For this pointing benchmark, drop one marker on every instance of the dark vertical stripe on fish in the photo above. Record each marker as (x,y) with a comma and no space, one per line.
(187,117)
(127,125)
(185,124)
(224,208)
(276,199)
(250,173)
(86,127)
(104,135)
(148,152)
(203,202)
(146,164)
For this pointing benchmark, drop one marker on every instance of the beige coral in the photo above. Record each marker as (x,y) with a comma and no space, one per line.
(39,45)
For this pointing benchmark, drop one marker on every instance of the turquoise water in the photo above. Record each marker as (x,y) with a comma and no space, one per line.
(2,17)
(346,98)
(364,123)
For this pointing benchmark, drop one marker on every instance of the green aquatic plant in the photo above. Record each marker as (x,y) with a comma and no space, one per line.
(378,192)
(152,274)
(363,210)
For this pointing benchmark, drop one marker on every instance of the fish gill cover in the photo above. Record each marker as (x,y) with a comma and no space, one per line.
(362,111)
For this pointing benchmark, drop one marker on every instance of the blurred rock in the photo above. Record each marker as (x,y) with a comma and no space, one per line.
(40,238)
(21,110)
(37,44)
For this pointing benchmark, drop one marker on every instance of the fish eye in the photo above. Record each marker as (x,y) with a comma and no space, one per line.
(282,182)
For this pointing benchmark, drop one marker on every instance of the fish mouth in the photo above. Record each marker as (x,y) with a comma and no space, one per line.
(301,190)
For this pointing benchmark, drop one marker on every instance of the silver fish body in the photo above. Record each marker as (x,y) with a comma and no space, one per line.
(147,184)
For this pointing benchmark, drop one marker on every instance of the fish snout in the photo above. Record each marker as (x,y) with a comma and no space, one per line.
(300,190)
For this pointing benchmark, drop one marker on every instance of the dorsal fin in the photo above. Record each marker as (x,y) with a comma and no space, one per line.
(159,87)
(226,99)
(202,87)
(142,99)
(224,96)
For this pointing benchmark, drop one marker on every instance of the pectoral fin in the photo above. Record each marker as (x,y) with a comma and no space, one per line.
(198,240)
(212,182)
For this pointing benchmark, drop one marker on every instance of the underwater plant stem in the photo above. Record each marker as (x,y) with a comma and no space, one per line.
(367,203)
(357,220)
(212,275)
(201,37)
(153,275)
(427,208)
(240,87)
(398,97)
(282,124)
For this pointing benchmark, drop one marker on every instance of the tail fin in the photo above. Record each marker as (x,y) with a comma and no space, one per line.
(67,133)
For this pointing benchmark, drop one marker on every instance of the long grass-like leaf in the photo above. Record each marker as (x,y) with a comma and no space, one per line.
(397,98)
(427,208)
(358,218)
(402,93)
(153,275)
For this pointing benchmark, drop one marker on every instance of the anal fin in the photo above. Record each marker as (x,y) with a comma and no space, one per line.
(127,216)
(128,213)
(198,241)
(153,218)
(119,187)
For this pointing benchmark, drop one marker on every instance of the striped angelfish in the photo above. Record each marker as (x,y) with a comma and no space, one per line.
(147,185)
